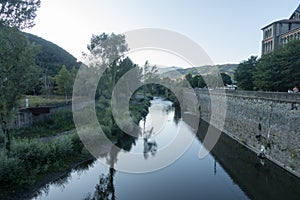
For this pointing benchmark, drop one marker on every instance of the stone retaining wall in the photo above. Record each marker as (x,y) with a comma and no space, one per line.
(252,116)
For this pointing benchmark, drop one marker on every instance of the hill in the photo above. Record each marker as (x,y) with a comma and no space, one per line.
(51,56)
(203,70)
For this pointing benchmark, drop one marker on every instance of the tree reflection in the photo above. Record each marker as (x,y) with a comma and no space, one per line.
(150,146)
(177,114)
(105,189)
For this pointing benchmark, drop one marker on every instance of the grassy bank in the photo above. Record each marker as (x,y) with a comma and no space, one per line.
(31,160)
(43,100)
(56,123)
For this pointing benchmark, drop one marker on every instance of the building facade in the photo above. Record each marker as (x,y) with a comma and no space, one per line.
(281,32)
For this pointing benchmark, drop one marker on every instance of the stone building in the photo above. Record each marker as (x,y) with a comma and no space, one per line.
(281,32)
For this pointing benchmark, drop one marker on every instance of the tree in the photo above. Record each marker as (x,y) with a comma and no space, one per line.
(148,74)
(279,71)
(17,58)
(196,80)
(109,47)
(189,78)
(244,73)
(18,13)
(226,79)
(64,82)
(17,65)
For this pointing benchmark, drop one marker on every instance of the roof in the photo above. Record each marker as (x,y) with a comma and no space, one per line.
(284,21)
(298,9)
(291,20)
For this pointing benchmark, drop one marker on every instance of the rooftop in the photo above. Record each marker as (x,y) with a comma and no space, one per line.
(284,21)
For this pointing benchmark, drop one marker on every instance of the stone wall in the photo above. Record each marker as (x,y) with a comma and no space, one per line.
(252,116)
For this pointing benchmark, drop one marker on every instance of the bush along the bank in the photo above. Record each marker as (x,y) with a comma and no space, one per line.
(55,123)
(31,159)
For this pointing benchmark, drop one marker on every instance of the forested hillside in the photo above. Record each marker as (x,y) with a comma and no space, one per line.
(51,56)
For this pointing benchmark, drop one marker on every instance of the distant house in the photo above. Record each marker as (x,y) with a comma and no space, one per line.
(281,32)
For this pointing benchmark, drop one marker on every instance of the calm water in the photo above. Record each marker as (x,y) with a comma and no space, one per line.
(229,172)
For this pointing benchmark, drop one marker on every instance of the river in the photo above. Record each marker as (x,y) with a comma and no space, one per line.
(230,171)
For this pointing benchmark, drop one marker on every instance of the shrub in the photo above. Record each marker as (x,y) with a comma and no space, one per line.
(76,142)
(60,147)
(31,152)
(11,170)
(57,122)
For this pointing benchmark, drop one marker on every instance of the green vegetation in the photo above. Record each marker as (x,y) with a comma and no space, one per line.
(64,81)
(197,81)
(51,57)
(276,71)
(17,61)
(30,160)
(56,123)
(111,48)
(40,100)
(18,14)
(31,65)
(244,73)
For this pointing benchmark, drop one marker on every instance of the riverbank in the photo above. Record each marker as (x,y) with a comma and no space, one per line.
(47,151)
(229,171)
(44,180)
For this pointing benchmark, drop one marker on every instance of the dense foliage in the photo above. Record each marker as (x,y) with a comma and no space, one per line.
(18,13)
(198,81)
(58,122)
(244,73)
(279,71)
(17,73)
(31,158)
(276,71)
(64,82)
(51,57)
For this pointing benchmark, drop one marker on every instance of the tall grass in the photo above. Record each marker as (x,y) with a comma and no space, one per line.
(57,122)
(40,100)
(30,158)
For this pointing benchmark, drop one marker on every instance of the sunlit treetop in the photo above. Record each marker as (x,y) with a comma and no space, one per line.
(18,13)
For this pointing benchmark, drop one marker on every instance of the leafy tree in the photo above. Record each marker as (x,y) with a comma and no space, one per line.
(226,79)
(17,66)
(148,73)
(64,82)
(18,13)
(109,47)
(279,71)
(189,78)
(244,73)
(17,58)
(196,80)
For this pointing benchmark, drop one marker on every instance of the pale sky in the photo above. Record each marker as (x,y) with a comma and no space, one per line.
(228,30)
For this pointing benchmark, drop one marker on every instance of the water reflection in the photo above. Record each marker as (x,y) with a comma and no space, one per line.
(105,189)
(258,178)
(229,172)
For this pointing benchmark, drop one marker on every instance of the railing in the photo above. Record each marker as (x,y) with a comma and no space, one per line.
(273,96)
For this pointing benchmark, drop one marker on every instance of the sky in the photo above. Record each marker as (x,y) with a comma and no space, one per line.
(228,31)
